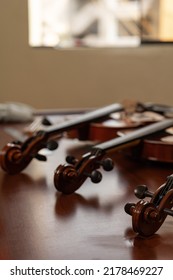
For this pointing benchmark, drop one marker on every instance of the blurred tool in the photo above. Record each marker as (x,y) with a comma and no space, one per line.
(15,112)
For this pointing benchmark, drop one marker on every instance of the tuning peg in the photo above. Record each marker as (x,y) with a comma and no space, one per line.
(46,122)
(142,192)
(107,164)
(40,157)
(71,160)
(129,208)
(17,142)
(95,176)
(168,211)
(52,145)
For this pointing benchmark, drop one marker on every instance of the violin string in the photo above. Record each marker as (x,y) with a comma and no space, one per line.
(168,186)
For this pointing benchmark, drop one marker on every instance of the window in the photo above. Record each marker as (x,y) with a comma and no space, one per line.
(99,23)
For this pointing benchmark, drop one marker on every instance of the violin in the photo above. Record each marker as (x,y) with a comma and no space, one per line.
(148,216)
(17,155)
(134,115)
(69,177)
(158,147)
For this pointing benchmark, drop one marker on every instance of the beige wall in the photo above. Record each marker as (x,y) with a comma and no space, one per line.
(48,78)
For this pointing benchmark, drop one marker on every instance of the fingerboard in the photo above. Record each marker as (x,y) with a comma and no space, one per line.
(135,135)
(84,119)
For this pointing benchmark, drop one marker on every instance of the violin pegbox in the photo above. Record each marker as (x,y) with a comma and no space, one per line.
(148,216)
(69,177)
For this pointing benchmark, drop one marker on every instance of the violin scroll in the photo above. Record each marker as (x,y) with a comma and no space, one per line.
(69,177)
(16,156)
(148,216)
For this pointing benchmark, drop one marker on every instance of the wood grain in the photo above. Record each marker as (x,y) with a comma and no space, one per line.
(37,222)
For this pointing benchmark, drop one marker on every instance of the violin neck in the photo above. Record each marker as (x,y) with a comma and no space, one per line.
(84,119)
(157,108)
(134,136)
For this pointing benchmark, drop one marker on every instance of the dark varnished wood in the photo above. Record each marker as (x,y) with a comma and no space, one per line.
(15,156)
(70,177)
(149,215)
(37,222)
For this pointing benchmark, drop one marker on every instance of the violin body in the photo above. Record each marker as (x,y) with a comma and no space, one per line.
(103,131)
(155,148)
(114,125)
(158,147)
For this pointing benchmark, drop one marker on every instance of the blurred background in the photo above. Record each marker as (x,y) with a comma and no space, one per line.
(77,54)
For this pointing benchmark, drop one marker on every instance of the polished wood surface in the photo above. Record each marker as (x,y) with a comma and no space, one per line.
(37,222)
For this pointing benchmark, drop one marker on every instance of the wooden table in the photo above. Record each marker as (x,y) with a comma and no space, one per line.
(37,222)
